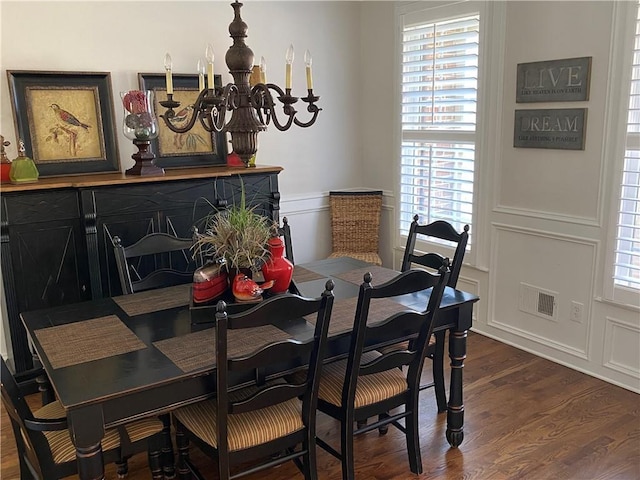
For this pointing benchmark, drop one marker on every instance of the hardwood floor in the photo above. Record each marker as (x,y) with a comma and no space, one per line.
(525,418)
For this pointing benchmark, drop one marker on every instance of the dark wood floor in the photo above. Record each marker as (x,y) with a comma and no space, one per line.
(525,418)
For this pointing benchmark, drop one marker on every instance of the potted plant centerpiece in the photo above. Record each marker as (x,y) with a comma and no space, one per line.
(235,240)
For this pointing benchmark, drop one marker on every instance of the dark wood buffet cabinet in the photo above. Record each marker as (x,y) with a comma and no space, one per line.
(56,233)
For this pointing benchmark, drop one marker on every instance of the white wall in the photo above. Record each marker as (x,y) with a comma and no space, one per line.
(541,212)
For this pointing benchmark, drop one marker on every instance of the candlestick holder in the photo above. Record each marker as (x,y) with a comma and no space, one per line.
(141,126)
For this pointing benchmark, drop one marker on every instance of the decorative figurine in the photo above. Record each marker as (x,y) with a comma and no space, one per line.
(23,169)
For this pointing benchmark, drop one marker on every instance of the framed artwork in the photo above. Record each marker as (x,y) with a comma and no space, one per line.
(66,120)
(195,148)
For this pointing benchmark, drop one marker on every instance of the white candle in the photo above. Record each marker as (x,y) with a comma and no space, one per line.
(263,70)
(169,77)
(307,62)
(200,68)
(209,55)
(288,73)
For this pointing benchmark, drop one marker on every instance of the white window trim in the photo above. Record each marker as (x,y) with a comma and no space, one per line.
(489,113)
(623,35)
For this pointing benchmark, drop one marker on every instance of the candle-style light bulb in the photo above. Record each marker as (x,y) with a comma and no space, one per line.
(168,65)
(201,70)
(289,59)
(263,70)
(210,57)
(307,62)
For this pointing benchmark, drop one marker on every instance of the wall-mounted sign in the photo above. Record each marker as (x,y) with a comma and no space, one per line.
(564,80)
(560,128)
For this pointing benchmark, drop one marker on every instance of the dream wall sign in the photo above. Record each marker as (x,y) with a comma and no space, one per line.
(565,80)
(560,128)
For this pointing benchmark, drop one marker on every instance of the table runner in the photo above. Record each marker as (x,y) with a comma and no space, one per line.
(154,300)
(379,275)
(301,275)
(344,310)
(198,350)
(89,340)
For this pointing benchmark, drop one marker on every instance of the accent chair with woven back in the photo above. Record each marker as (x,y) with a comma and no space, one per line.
(355,225)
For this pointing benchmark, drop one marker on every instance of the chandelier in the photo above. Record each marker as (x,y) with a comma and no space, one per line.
(252,107)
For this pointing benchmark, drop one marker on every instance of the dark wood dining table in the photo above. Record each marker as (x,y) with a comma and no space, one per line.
(113,360)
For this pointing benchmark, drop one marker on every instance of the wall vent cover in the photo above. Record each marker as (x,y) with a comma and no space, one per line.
(538,301)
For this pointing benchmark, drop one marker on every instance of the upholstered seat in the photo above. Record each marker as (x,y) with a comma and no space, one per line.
(370,389)
(245,430)
(62,448)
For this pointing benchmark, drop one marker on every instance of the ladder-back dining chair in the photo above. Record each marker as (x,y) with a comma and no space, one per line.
(274,419)
(43,441)
(373,383)
(285,232)
(152,261)
(355,225)
(439,230)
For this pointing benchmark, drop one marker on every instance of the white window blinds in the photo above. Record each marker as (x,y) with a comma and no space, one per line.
(439,98)
(627,250)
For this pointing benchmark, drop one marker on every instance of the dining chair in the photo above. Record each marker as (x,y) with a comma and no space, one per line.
(272,421)
(355,225)
(156,260)
(372,383)
(44,444)
(152,262)
(444,231)
(285,232)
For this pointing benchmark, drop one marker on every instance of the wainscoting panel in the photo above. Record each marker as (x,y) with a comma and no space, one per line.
(622,347)
(541,287)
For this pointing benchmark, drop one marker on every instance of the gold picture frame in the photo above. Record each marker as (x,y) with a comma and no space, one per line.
(66,120)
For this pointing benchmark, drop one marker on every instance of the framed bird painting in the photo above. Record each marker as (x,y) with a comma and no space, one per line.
(66,120)
(195,148)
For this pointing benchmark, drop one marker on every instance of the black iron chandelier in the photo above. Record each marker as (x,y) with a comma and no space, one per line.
(252,107)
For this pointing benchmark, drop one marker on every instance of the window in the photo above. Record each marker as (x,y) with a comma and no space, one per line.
(626,271)
(440,63)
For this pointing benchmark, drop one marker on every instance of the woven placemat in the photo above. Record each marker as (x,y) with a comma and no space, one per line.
(154,300)
(344,311)
(379,275)
(198,350)
(301,275)
(89,340)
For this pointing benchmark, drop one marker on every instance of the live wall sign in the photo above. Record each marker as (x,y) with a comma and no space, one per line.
(565,80)
(561,128)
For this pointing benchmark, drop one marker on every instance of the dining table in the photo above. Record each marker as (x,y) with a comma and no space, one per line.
(113,360)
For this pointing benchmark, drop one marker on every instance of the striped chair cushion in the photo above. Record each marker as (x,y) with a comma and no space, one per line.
(62,448)
(244,429)
(369,257)
(370,388)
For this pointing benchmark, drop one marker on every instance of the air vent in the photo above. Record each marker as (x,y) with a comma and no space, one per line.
(538,301)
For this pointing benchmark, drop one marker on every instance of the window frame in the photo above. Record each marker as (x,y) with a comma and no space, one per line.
(623,38)
(487,140)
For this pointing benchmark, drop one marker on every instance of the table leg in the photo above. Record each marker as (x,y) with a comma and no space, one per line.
(90,462)
(87,430)
(455,408)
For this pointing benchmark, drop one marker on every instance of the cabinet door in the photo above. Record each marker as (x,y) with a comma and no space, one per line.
(43,258)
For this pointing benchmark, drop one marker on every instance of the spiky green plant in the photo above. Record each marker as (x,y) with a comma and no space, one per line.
(238,235)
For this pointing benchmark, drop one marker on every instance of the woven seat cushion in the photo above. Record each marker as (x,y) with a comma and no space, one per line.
(370,388)
(247,429)
(62,448)
(369,257)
